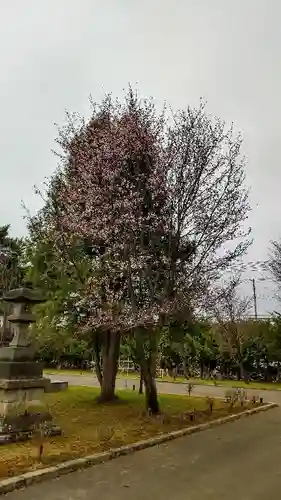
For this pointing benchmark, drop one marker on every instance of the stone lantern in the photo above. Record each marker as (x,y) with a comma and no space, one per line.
(22,385)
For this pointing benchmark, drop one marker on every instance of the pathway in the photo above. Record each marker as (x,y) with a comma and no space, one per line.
(240,460)
(167,387)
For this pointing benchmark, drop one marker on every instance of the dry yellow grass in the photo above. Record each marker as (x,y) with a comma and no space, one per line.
(89,427)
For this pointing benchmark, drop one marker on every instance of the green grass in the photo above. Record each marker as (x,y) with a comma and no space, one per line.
(180,380)
(89,427)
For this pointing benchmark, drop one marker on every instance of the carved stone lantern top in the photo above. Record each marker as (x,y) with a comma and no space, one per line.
(23,295)
(22,300)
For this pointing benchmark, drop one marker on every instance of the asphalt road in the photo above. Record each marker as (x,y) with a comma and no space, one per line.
(236,461)
(168,387)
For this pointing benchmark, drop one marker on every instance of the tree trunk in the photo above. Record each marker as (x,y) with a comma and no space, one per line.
(186,370)
(241,371)
(96,347)
(245,376)
(266,373)
(141,382)
(151,398)
(148,367)
(111,347)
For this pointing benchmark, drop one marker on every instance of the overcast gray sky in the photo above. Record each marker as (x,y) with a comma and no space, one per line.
(54,53)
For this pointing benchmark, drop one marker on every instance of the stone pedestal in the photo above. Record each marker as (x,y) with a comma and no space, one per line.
(22,386)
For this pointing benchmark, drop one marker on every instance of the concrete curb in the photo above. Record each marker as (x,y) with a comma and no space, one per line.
(230,387)
(14,483)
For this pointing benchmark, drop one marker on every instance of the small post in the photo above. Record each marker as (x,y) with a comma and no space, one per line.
(255,298)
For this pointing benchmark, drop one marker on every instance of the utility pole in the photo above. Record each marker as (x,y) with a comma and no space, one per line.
(255,298)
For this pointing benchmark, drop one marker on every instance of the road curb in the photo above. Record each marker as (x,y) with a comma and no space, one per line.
(226,387)
(28,478)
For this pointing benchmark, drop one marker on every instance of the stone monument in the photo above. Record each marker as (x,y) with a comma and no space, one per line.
(22,385)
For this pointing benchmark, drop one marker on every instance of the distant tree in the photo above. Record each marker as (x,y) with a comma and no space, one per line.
(229,310)
(271,336)
(12,270)
(11,260)
(56,331)
(274,263)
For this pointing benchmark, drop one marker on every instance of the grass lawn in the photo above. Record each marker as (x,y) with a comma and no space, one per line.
(89,428)
(180,380)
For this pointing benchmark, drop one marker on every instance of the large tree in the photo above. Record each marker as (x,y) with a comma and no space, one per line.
(152,199)
(116,154)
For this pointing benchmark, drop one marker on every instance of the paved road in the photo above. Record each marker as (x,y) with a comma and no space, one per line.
(240,460)
(168,387)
